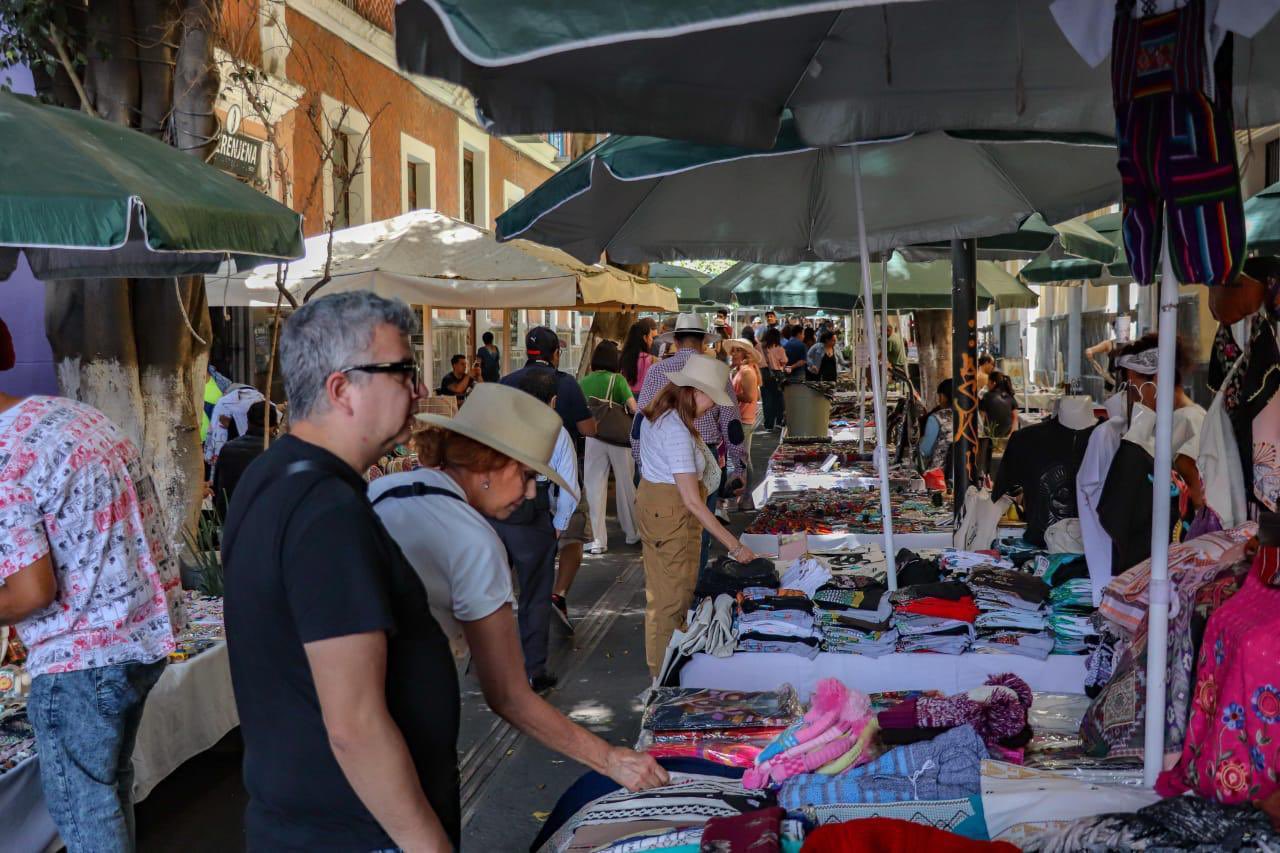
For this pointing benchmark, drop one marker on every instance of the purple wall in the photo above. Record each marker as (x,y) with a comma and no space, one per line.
(22,305)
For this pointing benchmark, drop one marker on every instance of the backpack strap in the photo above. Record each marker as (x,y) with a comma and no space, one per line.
(413,490)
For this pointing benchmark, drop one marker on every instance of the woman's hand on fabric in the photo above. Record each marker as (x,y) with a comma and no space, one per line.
(742,554)
(633,770)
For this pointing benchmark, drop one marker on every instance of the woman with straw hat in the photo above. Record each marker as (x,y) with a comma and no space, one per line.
(483,462)
(745,360)
(678,472)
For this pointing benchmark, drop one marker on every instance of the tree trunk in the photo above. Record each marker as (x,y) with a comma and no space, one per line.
(121,345)
(605,326)
(933,334)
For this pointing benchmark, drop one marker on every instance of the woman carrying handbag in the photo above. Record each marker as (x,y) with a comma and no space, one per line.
(611,402)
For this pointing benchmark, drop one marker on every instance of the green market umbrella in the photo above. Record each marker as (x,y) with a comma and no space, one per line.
(1033,238)
(86,198)
(647,199)
(1050,269)
(836,285)
(686,282)
(726,70)
(1262,221)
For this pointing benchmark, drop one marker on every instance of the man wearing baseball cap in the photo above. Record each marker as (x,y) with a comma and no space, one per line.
(542,347)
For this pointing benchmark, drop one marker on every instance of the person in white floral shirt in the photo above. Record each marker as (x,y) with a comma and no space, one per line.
(89,580)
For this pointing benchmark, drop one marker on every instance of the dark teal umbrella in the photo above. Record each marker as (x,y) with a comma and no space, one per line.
(1050,269)
(86,198)
(1262,221)
(727,70)
(686,282)
(646,199)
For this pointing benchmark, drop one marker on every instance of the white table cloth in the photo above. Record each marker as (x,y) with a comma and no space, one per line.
(948,673)
(190,709)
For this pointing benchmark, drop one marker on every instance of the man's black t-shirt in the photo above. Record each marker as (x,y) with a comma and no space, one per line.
(307,559)
(571,403)
(1043,461)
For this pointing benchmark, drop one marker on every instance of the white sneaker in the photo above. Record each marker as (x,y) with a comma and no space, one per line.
(598,549)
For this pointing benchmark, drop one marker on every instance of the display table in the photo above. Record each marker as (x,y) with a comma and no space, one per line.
(190,709)
(948,673)
(767,545)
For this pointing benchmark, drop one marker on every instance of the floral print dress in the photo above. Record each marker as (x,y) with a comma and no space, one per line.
(1232,750)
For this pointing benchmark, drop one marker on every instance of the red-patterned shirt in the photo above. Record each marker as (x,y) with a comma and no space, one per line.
(72,486)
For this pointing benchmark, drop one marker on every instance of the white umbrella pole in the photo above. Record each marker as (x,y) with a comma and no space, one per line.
(1158,610)
(862,369)
(884,324)
(877,387)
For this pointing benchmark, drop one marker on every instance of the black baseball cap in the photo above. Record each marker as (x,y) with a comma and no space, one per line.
(541,342)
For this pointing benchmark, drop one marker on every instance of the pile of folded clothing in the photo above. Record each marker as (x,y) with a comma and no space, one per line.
(1015,614)
(856,619)
(777,620)
(934,617)
(724,576)
(1071,618)
(726,727)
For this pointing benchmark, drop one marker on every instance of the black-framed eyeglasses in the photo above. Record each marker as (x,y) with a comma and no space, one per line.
(405,369)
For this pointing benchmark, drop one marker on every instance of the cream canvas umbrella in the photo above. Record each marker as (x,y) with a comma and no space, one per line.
(427,258)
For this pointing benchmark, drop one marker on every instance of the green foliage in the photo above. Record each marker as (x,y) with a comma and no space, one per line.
(204,547)
(27,30)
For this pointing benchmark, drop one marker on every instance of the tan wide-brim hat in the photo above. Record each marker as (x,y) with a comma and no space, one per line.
(508,420)
(743,345)
(707,375)
(689,324)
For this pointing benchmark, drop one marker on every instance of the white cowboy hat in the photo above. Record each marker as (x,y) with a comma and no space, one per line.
(514,423)
(745,346)
(707,375)
(689,324)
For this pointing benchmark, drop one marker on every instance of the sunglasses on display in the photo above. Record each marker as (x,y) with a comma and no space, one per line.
(407,368)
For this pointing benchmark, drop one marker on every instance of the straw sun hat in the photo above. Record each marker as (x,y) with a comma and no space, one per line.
(707,375)
(745,346)
(511,422)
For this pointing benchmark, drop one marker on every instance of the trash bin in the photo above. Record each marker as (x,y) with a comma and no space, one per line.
(808,412)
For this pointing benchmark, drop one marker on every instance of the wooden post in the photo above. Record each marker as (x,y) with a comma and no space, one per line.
(506,341)
(428,355)
(473,339)
(964,364)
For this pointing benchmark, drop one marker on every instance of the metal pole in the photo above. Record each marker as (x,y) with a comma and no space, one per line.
(884,324)
(964,364)
(1075,331)
(506,341)
(428,355)
(1158,611)
(877,387)
(862,370)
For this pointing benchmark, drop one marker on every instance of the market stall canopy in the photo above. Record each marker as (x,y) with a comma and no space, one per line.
(686,282)
(427,258)
(725,70)
(1073,238)
(1262,221)
(837,285)
(1052,268)
(641,198)
(86,198)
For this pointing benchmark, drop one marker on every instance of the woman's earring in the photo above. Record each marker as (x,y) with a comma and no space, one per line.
(485,484)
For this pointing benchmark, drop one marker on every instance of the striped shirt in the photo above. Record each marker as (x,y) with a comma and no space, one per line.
(712,426)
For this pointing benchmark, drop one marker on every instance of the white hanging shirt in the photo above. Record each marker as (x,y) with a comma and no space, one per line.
(1103,444)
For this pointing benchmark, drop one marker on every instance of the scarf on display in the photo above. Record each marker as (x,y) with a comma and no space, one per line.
(997,711)
(831,737)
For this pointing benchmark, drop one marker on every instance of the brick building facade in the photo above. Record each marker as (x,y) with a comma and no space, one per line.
(317,80)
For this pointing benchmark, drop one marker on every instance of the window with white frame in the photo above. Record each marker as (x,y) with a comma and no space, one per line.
(348,184)
(473,174)
(511,193)
(417,175)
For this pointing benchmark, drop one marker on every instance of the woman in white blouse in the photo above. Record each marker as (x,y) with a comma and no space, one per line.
(678,471)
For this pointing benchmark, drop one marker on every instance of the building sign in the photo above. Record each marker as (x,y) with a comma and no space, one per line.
(237,154)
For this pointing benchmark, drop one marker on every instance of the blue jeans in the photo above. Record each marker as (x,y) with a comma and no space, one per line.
(86,723)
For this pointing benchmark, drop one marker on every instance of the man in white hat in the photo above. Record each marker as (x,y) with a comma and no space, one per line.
(720,427)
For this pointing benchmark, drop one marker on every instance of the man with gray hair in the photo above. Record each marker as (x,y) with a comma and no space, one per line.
(345,684)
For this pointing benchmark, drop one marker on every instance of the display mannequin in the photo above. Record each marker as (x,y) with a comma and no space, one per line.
(1041,461)
(1075,412)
